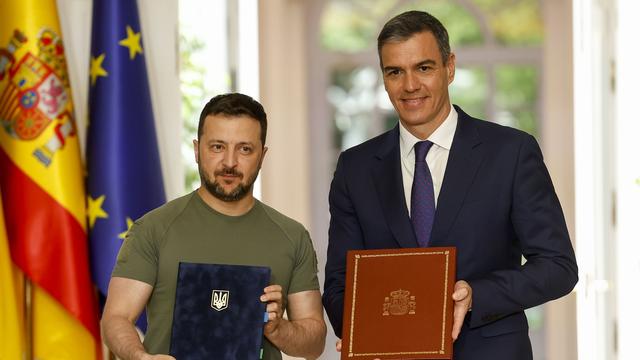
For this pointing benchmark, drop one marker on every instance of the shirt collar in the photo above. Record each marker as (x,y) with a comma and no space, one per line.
(442,136)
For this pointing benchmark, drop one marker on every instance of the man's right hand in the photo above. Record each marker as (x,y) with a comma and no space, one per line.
(125,301)
(462,296)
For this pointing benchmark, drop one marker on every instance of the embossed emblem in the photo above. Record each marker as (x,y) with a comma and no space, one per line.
(399,302)
(220,299)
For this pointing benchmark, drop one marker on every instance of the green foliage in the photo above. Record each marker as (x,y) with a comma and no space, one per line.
(517,95)
(353,96)
(470,90)
(462,27)
(192,91)
(517,85)
(353,26)
(345,28)
(514,22)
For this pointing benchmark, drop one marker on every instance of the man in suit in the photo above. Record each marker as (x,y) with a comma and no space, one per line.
(484,189)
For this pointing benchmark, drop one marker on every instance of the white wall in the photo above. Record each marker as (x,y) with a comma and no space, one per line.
(627,149)
(159,22)
(594,175)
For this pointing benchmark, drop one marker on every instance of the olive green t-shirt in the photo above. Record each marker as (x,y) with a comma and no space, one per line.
(188,230)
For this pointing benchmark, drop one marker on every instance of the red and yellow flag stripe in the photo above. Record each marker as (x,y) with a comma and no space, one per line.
(41,178)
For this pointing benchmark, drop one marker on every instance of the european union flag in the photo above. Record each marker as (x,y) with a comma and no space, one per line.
(124,174)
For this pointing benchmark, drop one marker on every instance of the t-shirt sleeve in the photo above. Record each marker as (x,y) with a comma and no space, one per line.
(305,272)
(138,256)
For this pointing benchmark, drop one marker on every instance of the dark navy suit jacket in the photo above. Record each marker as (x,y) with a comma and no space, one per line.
(496,205)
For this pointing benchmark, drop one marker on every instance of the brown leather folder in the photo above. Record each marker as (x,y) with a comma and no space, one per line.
(397,304)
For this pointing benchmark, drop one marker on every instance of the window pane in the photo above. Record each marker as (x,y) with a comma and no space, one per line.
(470,91)
(514,22)
(462,27)
(517,95)
(354,96)
(349,26)
(353,25)
(535,318)
(203,69)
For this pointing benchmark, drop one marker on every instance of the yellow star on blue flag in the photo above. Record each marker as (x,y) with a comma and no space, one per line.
(132,41)
(95,210)
(123,234)
(96,68)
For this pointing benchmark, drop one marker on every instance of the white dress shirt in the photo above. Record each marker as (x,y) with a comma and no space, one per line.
(437,157)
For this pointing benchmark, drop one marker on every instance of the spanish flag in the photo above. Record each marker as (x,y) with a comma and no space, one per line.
(41,178)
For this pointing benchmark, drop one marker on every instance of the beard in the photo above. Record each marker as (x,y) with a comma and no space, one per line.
(239,192)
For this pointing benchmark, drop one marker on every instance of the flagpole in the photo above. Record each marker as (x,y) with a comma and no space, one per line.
(28,317)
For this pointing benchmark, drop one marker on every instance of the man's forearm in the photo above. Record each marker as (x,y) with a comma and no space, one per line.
(122,339)
(300,338)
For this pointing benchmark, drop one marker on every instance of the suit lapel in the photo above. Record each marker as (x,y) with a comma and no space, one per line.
(387,177)
(464,160)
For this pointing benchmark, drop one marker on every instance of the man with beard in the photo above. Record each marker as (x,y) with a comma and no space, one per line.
(221,222)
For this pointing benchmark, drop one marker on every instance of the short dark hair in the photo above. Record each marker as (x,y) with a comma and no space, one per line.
(403,26)
(235,104)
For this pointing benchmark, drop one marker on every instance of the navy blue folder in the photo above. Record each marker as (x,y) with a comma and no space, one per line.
(218,313)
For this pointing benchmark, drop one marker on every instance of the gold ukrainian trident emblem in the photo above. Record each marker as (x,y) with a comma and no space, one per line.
(399,302)
(219,299)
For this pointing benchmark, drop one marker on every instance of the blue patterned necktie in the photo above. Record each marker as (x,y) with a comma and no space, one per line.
(423,205)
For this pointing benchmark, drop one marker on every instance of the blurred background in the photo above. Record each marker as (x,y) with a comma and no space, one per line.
(564,71)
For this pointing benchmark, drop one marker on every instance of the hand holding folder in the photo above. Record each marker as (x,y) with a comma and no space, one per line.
(398,304)
(218,313)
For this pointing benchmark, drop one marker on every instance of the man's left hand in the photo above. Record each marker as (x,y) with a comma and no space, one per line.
(462,303)
(275,307)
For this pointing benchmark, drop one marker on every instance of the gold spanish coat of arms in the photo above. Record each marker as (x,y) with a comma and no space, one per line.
(399,302)
(34,92)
